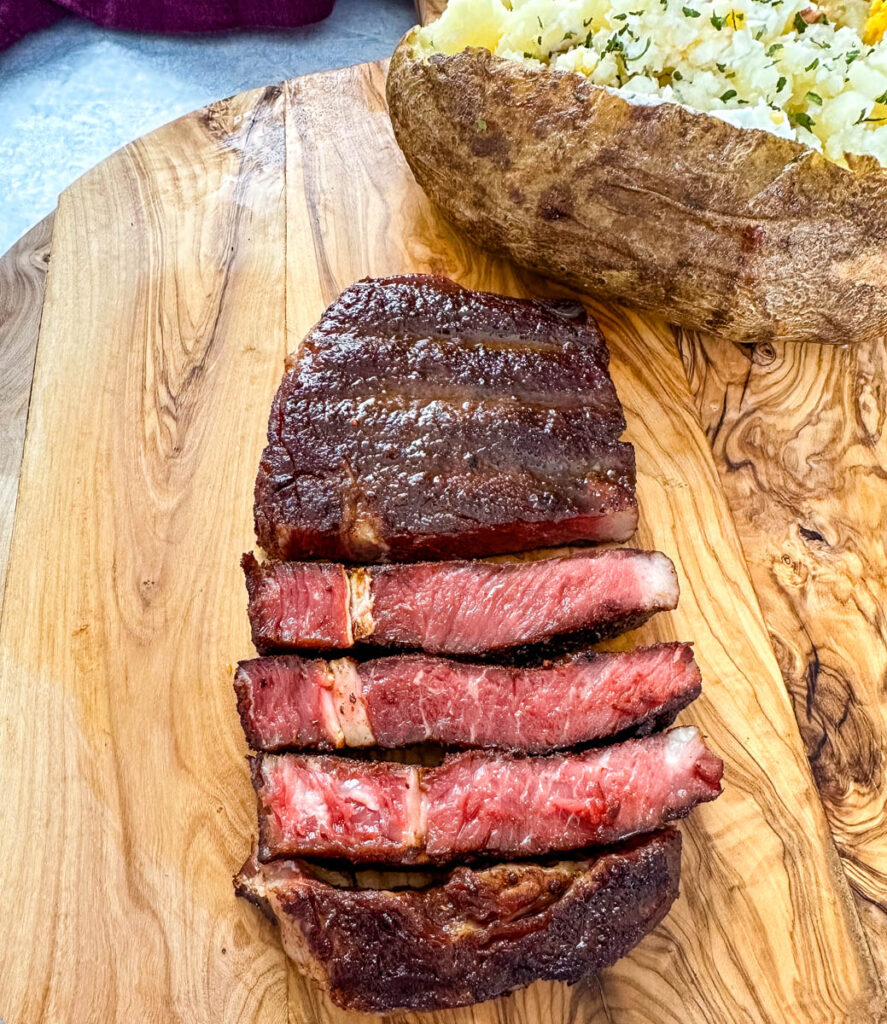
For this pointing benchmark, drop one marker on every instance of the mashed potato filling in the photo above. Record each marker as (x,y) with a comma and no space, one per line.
(785,66)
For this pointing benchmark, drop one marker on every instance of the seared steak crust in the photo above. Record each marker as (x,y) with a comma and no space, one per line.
(479,935)
(422,420)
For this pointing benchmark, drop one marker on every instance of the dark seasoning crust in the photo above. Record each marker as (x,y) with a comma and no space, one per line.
(499,412)
(480,934)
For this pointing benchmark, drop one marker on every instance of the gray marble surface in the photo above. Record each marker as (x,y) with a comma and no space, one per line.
(73,94)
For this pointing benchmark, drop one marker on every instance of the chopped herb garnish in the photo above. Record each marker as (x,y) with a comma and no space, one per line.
(800,24)
(690,13)
(540,21)
(805,120)
(620,17)
(677,76)
(851,56)
(815,98)
(638,56)
(728,95)
(613,43)
(481,125)
(585,24)
(781,83)
(539,40)
(882,98)
(526,54)
(759,34)
(813,64)
(569,35)
(822,19)
(861,117)
(721,67)
(588,40)
(772,49)
(718,22)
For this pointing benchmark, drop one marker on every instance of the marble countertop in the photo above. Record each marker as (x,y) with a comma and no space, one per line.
(71,95)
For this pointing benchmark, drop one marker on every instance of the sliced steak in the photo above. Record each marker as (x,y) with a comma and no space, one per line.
(422,420)
(305,601)
(288,701)
(456,607)
(478,802)
(477,935)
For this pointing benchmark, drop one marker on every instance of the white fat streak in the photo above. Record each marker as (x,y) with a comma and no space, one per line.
(677,743)
(361,603)
(363,792)
(329,705)
(349,705)
(312,803)
(658,573)
(417,809)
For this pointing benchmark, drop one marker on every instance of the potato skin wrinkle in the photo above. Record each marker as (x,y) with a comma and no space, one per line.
(714,227)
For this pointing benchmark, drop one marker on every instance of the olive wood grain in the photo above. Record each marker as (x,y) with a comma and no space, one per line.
(798,435)
(766,929)
(123,781)
(22,286)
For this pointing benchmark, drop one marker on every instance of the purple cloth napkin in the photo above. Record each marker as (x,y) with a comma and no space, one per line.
(18,17)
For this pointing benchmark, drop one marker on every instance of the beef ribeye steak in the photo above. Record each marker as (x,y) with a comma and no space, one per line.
(478,802)
(480,934)
(307,703)
(456,607)
(422,420)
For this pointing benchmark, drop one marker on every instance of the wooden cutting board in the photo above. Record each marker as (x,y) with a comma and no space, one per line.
(183,269)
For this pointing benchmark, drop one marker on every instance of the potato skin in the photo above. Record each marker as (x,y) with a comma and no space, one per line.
(715,228)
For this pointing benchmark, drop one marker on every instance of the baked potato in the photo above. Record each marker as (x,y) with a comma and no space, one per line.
(762,217)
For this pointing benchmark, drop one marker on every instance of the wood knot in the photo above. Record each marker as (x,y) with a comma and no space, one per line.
(812,535)
(790,572)
(763,353)
(842,740)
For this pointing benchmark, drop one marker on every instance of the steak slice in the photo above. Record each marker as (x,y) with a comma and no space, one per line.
(477,935)
(288,701)
(456,607)
(478,802)
(422,420)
